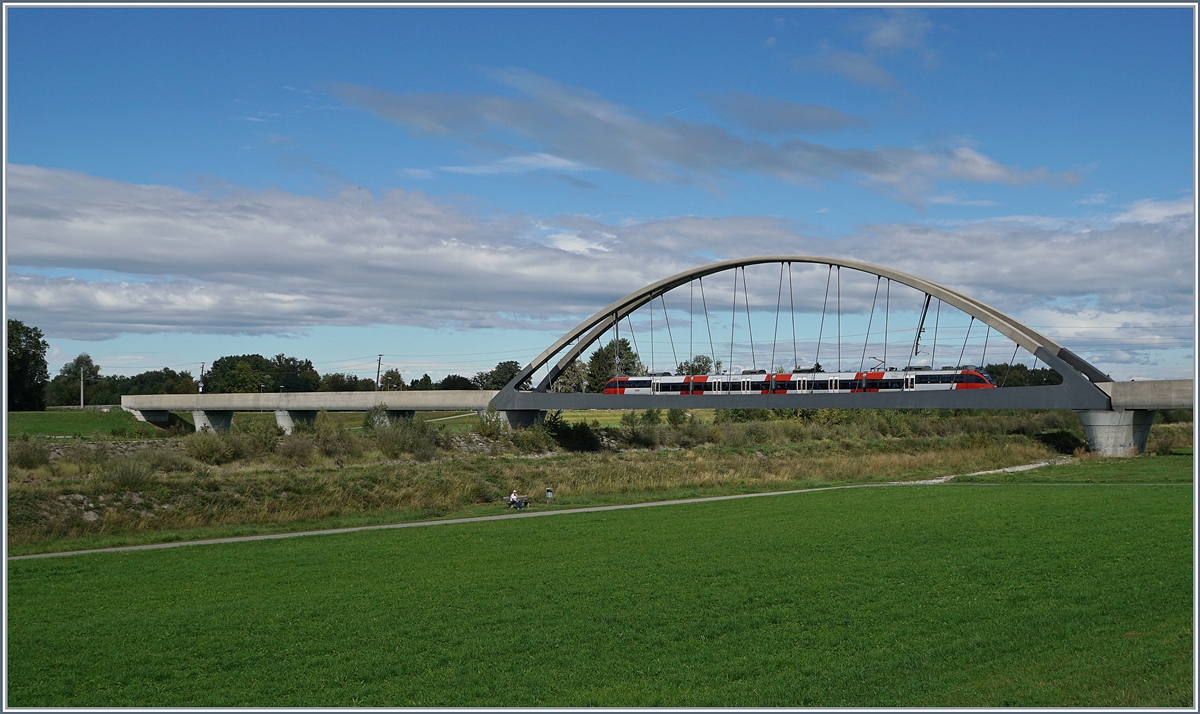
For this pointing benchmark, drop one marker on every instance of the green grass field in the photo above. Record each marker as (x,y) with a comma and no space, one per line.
(999,595)
(68,423)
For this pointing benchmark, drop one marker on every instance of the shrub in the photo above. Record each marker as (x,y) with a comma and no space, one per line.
(159,460)
(127,474)
(209,447)
(491,424)
(572,437)
(376,416)
(536,439)
(676,417)
(332,440)
(28,454)
(652,417)
(414,436)
(1064,442)
(296,449)
(256,438)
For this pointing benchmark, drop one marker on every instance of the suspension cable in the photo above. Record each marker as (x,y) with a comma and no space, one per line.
(691,317)
(887,304)
(732,325)
(936,319)
(870,319)
(651,334)
(711,346)
(636,351)
(821,329)
(792,304)
(775,334)
(987,336)
(964,347)
(839,316)
(1010,363)
(749,322)
(671,337)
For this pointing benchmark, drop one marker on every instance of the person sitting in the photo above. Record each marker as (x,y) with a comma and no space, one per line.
(514,500)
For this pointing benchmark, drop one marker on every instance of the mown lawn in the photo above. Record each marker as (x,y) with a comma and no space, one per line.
(68,423)
(1004,595)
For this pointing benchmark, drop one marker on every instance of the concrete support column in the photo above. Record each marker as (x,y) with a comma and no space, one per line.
(522,417)
(394,414)
(288,419)
(211,420)
(158,417)
(1117,433)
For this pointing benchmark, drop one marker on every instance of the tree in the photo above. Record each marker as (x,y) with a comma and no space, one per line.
(163,381)
(27,368)
(240,374)
(391,381)
(499,377)
(1022,376)
(293,374)
(338,382)
(573,378)
(423,384)
(700,364)
(64,389)
(455,381)
(602,365)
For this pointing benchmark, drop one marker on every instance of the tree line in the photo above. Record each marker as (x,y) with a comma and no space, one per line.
(30,387)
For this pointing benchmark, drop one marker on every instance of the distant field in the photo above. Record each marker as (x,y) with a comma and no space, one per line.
(917,596)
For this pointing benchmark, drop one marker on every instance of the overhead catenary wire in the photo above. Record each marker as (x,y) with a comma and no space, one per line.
(968,336)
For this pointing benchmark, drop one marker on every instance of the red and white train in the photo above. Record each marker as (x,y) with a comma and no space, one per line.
(909,380)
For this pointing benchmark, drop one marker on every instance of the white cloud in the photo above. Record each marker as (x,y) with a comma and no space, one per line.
(243,262)
(570,129)
(518,165)
(1151,211)
(1095,199)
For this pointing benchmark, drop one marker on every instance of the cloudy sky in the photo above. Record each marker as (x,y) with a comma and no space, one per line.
(452,187)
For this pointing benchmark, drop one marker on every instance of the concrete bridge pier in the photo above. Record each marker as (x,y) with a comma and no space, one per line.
(287,419)
(212,420)
(394,414)
(1123,432)
(521,418)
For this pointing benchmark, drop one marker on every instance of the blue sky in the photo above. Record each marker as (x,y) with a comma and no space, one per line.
(454,186)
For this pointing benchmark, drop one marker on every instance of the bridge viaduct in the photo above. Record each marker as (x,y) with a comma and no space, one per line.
(1116,416)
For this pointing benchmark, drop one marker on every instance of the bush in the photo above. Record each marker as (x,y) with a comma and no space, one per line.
(163,461)
(572,437)
(534,440)
(256,438)
(413,436)
(127,474)
(332,440)
(209,447)
(676,417)
(296,449)
(1064,442)
(652,417)
(491,424)
(28,454)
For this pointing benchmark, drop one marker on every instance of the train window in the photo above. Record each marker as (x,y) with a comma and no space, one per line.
(759,386)
(637,384)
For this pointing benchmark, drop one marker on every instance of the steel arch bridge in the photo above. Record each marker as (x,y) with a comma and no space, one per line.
(1083,386)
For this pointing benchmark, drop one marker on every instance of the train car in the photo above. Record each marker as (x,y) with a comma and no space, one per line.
(759,382)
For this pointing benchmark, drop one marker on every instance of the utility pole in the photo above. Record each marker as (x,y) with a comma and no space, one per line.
(201,383)
(378,366)
(81,385)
